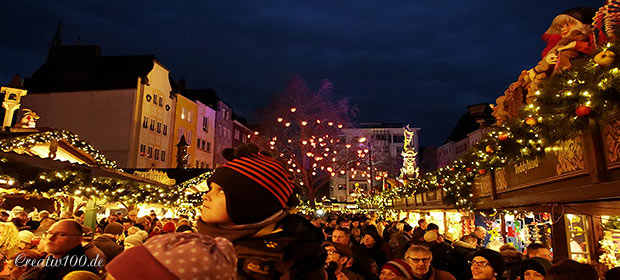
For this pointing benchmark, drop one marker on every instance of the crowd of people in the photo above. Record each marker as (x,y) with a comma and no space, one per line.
(246,230)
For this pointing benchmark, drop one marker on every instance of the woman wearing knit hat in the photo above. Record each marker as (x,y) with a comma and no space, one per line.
(487,265)
(246,203)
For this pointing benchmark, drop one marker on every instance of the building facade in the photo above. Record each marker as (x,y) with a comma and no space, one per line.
(205,136)
(123,105)
(186,119)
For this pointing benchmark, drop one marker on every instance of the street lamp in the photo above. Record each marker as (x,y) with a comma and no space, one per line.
(364,140)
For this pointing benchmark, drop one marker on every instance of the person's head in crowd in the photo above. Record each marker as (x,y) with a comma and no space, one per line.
(480,233)
(142,223)
(25,239)
(184,228)
(18,222)
(507,247)
(23,216)
(613,274)
(431,237)
(433,227)
(4,216)
(43,214)
(355,223)
(396,269)
(17,270)
(202,256)
(341,235)
(370,239)
(132,230)
(571,270)
(79,216)
(487,265)
(316,221)
(127,223)
(132,215)
(535,268)
(62,237)
(153,215)
(183,222)
(114,230)
(538,250)
(236,197)
(422,224)
(407,228)
(469,239)
(169,227)
(356,232)
(113,218)
(9,238)
(120,215)
(66,215)
(332,223)
(338,254)
(81,275)
(419,258)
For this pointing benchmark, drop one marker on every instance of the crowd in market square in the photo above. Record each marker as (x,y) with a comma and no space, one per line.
(246,230)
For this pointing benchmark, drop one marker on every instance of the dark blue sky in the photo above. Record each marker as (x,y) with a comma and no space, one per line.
(417,62)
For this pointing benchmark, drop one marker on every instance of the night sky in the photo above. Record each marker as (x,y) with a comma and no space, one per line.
(416,62)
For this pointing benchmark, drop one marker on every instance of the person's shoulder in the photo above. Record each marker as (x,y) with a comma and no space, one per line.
(298,226)
(443,275)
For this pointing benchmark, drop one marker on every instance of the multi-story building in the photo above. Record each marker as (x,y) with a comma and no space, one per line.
(385,144)
(186,119)
(205,136)
(469,129)
(124,105)
(240,131)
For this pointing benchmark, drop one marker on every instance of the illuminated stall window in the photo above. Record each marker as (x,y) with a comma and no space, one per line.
(577,234)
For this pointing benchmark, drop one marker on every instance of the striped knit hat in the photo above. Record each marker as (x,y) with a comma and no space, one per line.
(255,186)
(399,267)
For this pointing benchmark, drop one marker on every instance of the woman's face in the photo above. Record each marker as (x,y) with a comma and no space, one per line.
(532,275)
(214,206)
(368,241)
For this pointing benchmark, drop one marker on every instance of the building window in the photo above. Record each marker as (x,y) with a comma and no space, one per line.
(149,152)
(142,149)
(205,123)
(237,135)
(182,113)
(208,147)
(152,125)
(189,116)
(161,103)
(165,129)
(203,145)
(158,127)
(244,139)
(163,155)
(189,136)
(197,164)
(155,99)
(197,142)
(180,133)
(145,122)
(156,154)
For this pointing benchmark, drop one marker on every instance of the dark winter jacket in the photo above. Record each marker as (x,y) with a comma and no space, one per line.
(58,271)
(108,246)
(290,249)
(463,252)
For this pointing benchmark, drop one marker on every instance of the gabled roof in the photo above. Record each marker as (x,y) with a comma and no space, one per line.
(82,68)
(464,126)
(206,96)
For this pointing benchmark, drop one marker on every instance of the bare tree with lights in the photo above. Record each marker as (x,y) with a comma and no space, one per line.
(304,128)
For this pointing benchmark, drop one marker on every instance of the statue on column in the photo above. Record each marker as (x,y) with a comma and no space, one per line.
(410,169)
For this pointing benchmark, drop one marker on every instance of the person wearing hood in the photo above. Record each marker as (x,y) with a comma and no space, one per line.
(464,251)
(246,203)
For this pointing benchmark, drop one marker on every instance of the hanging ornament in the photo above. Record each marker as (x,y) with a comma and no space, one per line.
(605,58)
(488,149)
(482,171)
(468,169)
(502,137)
(451,168)
(531,121)
(583,110)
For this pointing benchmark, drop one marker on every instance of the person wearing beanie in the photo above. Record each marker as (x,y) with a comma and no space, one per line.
(176,256)
(535,268)
(394,269)
(487,265)
(169,227)
(108,241)
(25,238)
(246,203)
(420,259)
